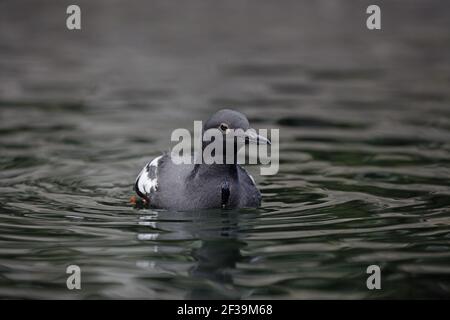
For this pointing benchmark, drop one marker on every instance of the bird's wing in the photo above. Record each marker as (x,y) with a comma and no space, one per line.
(147,180)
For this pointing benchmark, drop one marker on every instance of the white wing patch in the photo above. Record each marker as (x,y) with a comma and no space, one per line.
(251,178)
(147,181)
(249,175)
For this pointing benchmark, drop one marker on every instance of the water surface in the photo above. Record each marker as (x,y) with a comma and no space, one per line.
(364,125)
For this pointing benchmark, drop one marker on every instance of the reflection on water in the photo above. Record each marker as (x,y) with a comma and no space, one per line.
(364,149)
(215,249)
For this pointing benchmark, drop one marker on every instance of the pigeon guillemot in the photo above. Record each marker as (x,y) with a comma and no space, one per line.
(164,184)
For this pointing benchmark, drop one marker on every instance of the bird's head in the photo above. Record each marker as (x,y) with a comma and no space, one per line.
(227,120)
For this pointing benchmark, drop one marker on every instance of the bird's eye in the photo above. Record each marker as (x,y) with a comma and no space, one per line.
(223,127)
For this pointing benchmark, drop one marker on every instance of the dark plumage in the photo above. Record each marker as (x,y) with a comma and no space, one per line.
(163,184)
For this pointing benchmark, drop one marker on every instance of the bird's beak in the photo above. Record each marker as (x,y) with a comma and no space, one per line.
(252,137)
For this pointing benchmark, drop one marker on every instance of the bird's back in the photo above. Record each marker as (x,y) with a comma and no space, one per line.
(186,186)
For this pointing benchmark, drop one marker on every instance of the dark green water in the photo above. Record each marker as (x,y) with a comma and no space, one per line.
(364,121)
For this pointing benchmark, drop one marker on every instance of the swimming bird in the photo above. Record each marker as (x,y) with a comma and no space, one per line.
(164,184)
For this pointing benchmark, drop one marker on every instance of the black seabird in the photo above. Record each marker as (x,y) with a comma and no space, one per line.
(164,184)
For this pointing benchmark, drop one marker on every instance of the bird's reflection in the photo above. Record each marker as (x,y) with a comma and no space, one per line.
(216,256)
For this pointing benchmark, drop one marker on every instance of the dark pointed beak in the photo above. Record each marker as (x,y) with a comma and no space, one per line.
(252,137)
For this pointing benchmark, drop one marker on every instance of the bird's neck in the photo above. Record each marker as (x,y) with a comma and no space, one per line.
(216,169)
(228,156)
